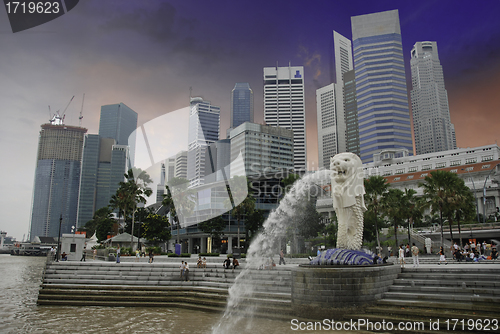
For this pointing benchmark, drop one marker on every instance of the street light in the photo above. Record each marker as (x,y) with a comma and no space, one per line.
(59,240)
(484,192)
(475,195)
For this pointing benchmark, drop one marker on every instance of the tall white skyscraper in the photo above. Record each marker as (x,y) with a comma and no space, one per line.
(383,113)
(204,120)
(330,105)
(432,127)
(284,106)
(327,125)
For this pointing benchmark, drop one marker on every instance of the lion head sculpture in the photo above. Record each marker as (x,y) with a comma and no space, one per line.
(347,179)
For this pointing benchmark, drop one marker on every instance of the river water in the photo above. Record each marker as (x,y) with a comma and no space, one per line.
(20,279)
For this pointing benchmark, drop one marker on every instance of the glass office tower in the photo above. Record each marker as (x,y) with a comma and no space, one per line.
(383,112)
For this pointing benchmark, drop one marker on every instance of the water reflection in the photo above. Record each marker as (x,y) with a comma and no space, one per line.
(20,279)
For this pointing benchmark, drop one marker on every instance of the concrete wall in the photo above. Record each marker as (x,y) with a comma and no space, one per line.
(333,291)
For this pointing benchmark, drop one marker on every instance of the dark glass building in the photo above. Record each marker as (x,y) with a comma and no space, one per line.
(106,158)
(241,104)
(57,179)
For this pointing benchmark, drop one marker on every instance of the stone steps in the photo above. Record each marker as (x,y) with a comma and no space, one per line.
(431,294)
(144,284)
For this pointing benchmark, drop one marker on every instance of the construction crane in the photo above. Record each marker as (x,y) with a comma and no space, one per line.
(81,112)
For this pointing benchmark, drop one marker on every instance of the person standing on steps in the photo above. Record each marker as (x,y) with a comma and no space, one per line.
(442,257)
(118,254)
(186,271)
(414,252)
(84,254)
(282,257)
(182,267)
(401,254)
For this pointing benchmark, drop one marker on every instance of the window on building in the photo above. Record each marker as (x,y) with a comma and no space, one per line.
(471,160)
(487,158)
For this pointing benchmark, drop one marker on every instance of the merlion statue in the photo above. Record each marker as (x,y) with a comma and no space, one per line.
(347,192)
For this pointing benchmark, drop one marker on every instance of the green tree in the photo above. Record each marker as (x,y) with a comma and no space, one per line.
(122,201)
(437,193)
(375,187)
(463,204)
(136,188)
(307,219)
(289,181)
(411,209)
(214,227)
(253,223)
(178,189)
(239,187)
(156,229)
(103,222)
(392,207)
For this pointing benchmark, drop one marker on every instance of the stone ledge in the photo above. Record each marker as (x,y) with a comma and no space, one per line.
(319,291)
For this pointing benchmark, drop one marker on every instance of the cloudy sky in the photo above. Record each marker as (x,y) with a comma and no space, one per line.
(147,54)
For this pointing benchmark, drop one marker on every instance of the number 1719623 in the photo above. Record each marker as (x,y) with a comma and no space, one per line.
(32,7)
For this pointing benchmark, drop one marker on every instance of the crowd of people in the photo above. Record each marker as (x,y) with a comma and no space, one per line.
(474,252)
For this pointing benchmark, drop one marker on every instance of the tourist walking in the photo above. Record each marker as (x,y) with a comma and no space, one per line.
(186,271)
(282,257)
(182,266)
(442,257)
(118,254)
(94,253)
(401,254)
(414,252)
(151,256)
(84,254)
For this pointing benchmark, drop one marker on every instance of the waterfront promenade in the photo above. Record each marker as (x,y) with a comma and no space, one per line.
(431,291)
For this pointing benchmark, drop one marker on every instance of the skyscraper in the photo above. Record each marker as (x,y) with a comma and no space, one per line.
(106,158)
(327,125)
(343,63)
(265,149)
(432,126)
(203,130)
(241,104)
(118,122)
(284,106)
(383,113)
(351,113)
(57,179)
(330,105)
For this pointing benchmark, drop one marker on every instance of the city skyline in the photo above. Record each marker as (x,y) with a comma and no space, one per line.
(148,54)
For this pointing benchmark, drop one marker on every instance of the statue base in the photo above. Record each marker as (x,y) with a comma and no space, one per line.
(335,291)
(340,256)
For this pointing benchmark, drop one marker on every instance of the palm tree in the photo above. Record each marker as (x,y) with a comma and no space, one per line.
(463,205)
(392,204)
(411,208)
(121,201)
(375,187)
(240,189)
(136,190)
(179,200)
(438,194)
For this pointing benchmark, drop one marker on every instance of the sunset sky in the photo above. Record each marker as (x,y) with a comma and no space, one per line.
(148,53)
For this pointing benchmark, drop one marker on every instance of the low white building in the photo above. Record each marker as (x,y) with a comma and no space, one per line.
(477,166)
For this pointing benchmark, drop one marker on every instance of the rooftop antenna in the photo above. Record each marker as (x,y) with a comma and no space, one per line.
(81,112)
(50,113)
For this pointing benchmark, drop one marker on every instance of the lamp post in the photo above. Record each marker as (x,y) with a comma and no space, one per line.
(59,239)
(484,192)
(475,195)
